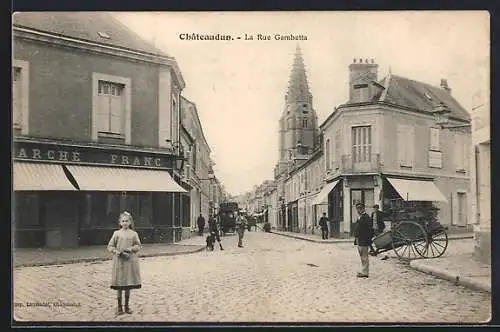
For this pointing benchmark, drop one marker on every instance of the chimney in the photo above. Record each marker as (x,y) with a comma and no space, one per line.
(444,85)
(361,72)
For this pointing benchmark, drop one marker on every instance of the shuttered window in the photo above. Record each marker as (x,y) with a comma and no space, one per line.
(434,139)
(461,153)
(327,154)
(111,108)
(16,97)
(361,144)
(406,145)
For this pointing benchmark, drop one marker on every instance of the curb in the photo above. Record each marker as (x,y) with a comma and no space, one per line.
(452,277)
(312,240)
(102,259)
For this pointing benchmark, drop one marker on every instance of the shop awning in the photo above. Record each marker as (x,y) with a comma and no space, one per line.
(417,190)
(324,193)
(92,178)
(38,176)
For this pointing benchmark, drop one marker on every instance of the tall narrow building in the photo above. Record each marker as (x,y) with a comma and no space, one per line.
(299,123)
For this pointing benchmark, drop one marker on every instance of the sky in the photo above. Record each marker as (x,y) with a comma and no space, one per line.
(239,86)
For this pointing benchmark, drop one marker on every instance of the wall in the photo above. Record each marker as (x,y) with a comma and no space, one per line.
(447,178)
(61,92)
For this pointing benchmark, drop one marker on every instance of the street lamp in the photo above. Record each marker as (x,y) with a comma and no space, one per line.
(441,114)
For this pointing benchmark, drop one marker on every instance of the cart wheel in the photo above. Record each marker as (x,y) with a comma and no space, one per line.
(407,236)
(435,246)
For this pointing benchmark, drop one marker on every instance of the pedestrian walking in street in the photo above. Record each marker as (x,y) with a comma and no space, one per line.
(241,224)
(363,234)
(213,228)
(125,274)
(323,223)
(378,227)
(201,224)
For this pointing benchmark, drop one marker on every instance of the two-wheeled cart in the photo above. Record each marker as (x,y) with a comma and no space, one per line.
(413,237)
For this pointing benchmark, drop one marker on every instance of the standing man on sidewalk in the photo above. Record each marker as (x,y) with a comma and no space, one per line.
(201,224)
(363,234)
(323,223)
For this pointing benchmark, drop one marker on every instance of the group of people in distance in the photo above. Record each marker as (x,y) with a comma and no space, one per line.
(125,243)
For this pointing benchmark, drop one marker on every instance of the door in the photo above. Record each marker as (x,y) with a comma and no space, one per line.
(365,196)
(462,215)
(356,197)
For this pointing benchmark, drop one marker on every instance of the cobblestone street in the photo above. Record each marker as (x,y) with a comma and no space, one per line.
(271,279)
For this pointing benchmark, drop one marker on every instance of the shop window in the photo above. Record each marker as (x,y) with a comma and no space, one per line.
(26,212)
(140,206)
(105,209)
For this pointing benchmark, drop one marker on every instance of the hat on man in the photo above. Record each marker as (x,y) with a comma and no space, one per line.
(359,204)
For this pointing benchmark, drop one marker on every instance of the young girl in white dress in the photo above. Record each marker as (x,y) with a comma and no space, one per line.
(124,245)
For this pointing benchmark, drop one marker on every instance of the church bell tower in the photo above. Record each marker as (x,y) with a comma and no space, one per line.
(298,124)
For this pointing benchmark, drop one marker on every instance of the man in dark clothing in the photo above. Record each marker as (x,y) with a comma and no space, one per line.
(201,224)
(323,223)
(363,234)
(213,228)
(378,226)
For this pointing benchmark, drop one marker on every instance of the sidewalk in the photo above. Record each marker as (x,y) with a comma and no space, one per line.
(461,269)
(23,257)
(317,237)
(313,237)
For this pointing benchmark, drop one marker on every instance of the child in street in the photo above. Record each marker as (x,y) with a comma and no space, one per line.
(124,245)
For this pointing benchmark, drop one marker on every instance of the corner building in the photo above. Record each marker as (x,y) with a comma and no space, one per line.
(96,131)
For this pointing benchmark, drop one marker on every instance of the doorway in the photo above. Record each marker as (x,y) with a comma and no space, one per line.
(365,196)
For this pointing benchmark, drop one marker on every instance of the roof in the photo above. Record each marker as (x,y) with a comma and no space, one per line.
(86,26)
(404,92)
(422,96)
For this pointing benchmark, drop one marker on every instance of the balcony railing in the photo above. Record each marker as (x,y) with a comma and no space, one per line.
(363,163)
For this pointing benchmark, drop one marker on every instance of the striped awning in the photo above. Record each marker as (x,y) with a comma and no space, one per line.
(93,178)
(39,177)
(323,194)
(417,190)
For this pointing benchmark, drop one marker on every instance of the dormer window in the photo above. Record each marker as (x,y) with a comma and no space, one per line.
(361,93)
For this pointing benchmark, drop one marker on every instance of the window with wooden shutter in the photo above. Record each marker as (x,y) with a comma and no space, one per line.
(405,144)
(410,144)
(16,97)
(111,107)
(434,139)
(461,154)
(327,154)
(361,144)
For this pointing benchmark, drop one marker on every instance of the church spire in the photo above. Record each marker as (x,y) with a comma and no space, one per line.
(298,88)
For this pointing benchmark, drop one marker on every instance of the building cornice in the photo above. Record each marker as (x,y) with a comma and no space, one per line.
(92,47)
(371,106)
(100,146)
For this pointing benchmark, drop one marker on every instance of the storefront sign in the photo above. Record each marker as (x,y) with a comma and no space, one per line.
(89,155)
